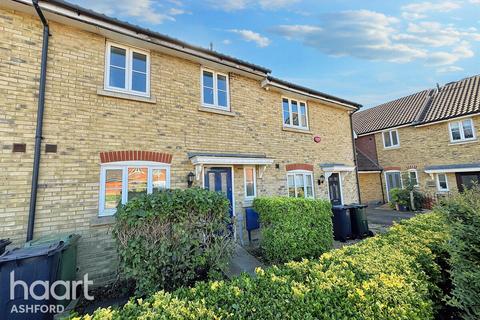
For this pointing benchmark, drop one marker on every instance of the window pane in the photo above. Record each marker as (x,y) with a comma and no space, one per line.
(303,115)
(249,182)
(139,82)
(291,186)
(413,178)
(113,188)
(386,137)
(117,77)
(208,79)
(467,129)
(295,113)
(222,98)
(222,83)
(300,185)
(286,112)
(394,138)
(139,62)
(137,182)
(442,181)
(117,57)
(159,179)
(223,179)
(309,185)
(207,95)
(455,129)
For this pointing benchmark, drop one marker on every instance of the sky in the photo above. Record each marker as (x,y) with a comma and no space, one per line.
(369,52)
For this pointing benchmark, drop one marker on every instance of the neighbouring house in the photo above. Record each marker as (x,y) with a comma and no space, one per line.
(428,138)
(129,111)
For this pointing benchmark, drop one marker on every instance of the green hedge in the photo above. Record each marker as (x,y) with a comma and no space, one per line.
(294,228)
(392,276)
(172,238)
(463,212)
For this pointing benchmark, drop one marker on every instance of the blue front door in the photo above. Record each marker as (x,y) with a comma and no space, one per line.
(220,180)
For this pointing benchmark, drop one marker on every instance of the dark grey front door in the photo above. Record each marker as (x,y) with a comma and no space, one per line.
(335,189)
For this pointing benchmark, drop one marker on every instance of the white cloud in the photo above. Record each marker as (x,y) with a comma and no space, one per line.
(449,69)
(251,36)
(148,10)
(235,5)
(375,36)
(419,10)
(227,42)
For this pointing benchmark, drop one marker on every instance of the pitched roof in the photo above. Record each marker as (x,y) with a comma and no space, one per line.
(454,99)
(391,114)
(365,163)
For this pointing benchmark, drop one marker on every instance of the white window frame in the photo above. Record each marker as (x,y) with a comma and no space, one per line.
(291,125)
(393,146)
(124,166)
(462,131)
(254,182)
(416,176)
(128,69)
(438,182)
(305,173)
(215,104)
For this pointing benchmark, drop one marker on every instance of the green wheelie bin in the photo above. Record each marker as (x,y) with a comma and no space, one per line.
(68,260)
(358,216)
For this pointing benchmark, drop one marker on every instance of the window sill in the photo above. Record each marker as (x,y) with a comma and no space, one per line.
(247,203)
(217,111)
(304,131)
(391,148)
(462,142)
(102,221)
(126,96)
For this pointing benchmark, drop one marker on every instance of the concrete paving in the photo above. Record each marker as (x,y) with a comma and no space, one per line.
(242,261)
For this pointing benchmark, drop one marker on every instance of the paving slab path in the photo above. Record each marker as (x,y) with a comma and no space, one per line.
(242,261)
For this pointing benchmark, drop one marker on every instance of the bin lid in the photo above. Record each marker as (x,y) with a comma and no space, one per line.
(68,239)
(357,205)
(30,252)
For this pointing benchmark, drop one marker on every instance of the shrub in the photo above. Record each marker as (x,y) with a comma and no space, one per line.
(400,197)
(294,228)
(173,238)
(463,212)
(392,276)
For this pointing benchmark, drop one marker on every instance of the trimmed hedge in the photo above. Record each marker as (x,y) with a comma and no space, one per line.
(172,238)
(392,276)
(463,213)
(294,228)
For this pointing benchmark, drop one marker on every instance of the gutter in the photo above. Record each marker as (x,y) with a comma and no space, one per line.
(355,155)
(39,128)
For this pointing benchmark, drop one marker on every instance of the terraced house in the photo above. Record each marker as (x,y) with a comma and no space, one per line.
(127,111)
(429,138)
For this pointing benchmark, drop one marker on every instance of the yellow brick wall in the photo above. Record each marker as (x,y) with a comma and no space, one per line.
(370,187)
(83,124)
(427,146)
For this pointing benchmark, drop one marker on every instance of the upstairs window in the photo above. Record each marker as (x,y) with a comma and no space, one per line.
(461,130)
(122,182)
(215,90)
(294,113)
(300,184)
(390,139)
(127,70)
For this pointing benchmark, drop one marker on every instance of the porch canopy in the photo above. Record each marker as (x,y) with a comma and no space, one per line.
(340,168)
(200,159)
(452,168)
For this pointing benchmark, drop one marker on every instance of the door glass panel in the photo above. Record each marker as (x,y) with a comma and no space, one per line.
(300,185)
(223,179)
(159,179)
(113,188)
(291,185)
(137,182)
(211,181)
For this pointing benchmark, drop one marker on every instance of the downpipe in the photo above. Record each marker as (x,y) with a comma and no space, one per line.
(355,156)
(39,128)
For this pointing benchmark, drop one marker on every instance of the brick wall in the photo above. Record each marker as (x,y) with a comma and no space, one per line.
(370,188)
(83,124)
